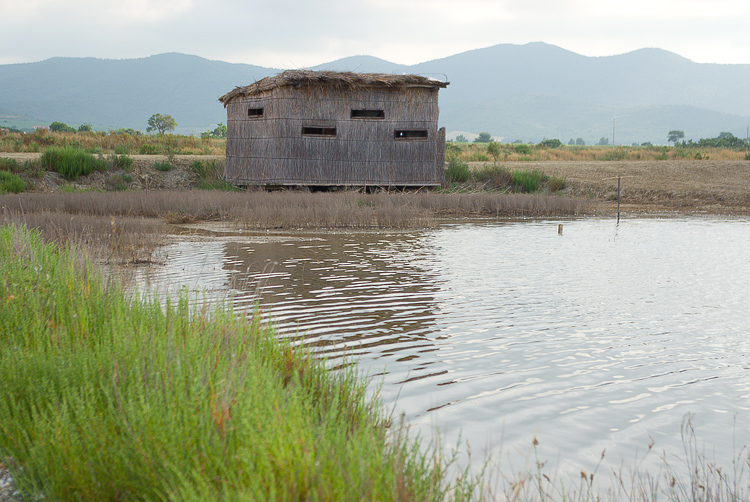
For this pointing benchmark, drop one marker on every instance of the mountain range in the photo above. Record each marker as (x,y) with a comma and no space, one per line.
(515,92)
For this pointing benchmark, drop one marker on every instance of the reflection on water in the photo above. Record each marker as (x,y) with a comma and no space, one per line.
(598,338)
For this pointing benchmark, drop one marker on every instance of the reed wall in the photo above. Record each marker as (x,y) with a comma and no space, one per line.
(272,150)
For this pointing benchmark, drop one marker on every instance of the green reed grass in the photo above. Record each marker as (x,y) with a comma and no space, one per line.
(71,162)
(109,397)
(11,183)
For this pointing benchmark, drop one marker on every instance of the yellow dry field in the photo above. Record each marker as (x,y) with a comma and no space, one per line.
(690,186)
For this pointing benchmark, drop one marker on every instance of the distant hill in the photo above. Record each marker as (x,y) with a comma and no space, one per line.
(527,92)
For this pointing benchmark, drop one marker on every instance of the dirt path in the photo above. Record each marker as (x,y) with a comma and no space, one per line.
(685,186)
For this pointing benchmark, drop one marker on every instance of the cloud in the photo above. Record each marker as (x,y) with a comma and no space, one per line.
(295,33)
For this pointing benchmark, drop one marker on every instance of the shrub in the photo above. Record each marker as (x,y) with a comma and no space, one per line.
(149,149)
(522,149)
(121,162)
(556,184)
(551,143)
(495,176)
(457,171)
(11,165)
(70,162)
(163,166)
(527,181)
(211,175)
(11,183)
(118,182)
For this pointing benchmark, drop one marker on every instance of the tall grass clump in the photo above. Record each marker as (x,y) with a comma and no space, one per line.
(71,162)
(110,397)
(457,171)
(211,175)
(527,181)
(11,183)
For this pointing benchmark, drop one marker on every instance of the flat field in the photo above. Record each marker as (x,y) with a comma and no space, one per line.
(689,186)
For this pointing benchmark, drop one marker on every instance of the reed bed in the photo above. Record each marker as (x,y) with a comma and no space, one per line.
(290,210)
(109,397)
(105,238)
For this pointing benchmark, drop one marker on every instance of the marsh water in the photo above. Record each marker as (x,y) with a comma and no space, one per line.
(606,336)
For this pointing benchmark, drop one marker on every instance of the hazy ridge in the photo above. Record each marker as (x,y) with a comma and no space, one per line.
(526,92)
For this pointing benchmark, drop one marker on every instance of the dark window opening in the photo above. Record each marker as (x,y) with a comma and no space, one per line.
(368,114)
(254,112)
(410,134)
(319,131)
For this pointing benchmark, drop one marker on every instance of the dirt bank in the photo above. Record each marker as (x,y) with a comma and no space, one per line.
(684,186)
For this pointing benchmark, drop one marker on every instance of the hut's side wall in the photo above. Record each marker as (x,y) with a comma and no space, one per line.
(273,150)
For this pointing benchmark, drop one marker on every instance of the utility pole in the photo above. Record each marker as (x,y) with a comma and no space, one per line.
(613,131)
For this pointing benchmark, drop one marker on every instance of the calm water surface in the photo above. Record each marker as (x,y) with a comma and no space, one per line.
(604,337)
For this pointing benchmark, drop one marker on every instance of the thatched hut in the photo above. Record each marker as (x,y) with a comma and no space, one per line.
(320,128)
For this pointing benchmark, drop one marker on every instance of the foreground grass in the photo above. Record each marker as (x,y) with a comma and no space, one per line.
(113,398)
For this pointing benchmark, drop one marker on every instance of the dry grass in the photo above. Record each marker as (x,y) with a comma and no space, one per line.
(288,209)
(475,152)
(105,238)
(106,143)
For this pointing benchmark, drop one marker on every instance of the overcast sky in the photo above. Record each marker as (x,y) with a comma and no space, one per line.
(302,33)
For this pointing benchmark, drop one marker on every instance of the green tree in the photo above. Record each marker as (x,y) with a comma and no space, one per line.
(675,136)
(494,150)
(551,143)
(60,127)
(484,137)
(461,139)
(219,132)
(85,128)
(580,142)
(603,141)
(161,123)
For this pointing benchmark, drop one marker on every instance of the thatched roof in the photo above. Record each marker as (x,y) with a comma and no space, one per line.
(336,80)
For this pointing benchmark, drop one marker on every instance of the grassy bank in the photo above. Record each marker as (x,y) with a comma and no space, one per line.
(112,398)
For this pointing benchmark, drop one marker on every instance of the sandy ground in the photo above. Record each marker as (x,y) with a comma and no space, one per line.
(683,186)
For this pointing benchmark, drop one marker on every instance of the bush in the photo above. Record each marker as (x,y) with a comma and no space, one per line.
(457,171)
(118,182)
(11,183)
(495,176)
(11,165)
(556,184)
(121,162)
(522,149)
(71,162)
(551,143)
(211,175)
(162,165)
(149,149)
(527,181)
